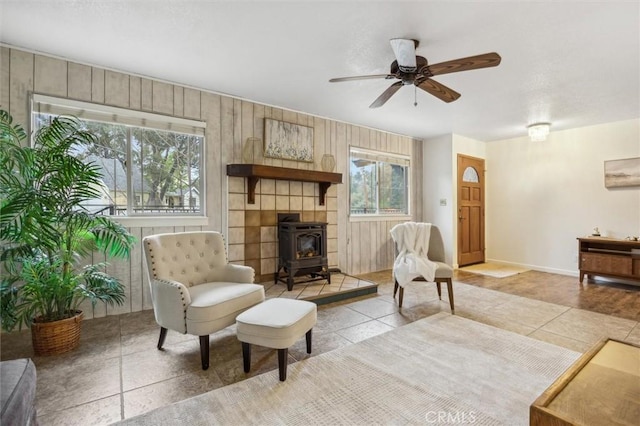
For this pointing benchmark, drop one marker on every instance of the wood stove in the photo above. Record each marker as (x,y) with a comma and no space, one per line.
(302,250)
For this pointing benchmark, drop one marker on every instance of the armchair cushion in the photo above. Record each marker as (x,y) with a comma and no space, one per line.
(215,306)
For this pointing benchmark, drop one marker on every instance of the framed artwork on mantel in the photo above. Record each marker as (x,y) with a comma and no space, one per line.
(287,141)
(621,173)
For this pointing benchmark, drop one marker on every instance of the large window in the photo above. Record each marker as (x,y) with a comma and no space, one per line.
(379,183)
(152,165)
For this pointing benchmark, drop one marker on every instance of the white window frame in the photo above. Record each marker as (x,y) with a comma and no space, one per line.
(132,118)
(381,157)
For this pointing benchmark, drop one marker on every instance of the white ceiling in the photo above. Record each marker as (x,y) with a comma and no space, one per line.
(572,63)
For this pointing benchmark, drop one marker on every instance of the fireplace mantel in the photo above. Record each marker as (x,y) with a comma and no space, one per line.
(254,172)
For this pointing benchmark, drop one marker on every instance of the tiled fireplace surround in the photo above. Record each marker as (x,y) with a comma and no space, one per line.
(253,235)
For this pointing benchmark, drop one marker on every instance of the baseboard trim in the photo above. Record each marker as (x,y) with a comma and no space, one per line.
(535,267)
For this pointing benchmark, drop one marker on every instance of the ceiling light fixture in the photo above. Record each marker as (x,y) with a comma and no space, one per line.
(538,131)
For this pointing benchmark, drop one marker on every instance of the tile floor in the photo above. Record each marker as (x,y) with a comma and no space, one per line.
(118,373)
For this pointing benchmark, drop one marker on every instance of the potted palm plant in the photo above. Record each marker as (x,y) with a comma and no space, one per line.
(46,231)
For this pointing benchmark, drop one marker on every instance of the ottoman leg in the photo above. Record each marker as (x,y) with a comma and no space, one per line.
(204,351)
(246,356)
(282,363)
(308,335)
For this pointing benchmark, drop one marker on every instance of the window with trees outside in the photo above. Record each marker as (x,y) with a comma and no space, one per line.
(152,165)
(379,183)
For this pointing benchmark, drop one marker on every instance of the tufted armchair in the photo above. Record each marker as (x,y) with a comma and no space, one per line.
(193,288)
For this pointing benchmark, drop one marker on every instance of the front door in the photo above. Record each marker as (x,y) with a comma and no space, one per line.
(470,210)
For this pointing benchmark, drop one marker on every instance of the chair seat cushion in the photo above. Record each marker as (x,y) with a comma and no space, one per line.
(444,270)
(276,323)
(212,301)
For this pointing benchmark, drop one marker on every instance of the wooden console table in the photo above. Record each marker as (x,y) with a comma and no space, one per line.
(254,172)
(601,388)
(609,257)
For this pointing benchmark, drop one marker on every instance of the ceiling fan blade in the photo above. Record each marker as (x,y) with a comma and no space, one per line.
(439,90)
(386,95)
(360,77)
(405,51)
(464,64)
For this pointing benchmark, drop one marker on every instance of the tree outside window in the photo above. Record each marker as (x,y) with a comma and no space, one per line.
(378,183)
(146,171)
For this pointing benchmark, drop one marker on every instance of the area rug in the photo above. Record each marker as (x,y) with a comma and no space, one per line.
(439,369)
(494,269)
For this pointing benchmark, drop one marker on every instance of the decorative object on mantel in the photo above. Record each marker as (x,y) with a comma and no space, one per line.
(622,173)
(328,163)
(254,172)
(596,232)
(249,149)
(288,141)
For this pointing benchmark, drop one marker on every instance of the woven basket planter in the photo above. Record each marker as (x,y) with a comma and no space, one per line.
(57,337)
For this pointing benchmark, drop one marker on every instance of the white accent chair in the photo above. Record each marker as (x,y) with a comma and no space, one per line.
(444,272)
(193,288)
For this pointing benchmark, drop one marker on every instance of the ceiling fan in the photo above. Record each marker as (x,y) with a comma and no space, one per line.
(415,70)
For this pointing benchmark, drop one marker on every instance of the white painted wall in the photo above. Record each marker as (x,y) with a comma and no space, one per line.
(544,195)
(467,146)
(437,184)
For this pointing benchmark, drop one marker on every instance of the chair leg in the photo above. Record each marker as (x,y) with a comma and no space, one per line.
(400,298)
(204,351)
(246,356)
(282,363)
(308,335)
(439,290)
(163,335)
(395,288)
(450,291)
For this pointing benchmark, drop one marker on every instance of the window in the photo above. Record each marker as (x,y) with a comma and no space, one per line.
(379,183)
(152,165)
(470,175)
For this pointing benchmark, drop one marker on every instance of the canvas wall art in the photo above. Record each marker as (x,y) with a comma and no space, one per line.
(287,141)
(620,173)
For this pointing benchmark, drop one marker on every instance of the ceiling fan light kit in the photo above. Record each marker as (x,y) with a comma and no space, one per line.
(538,132)
(405,49)
(415,70)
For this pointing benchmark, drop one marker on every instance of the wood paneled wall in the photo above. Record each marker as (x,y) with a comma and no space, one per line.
(362,246)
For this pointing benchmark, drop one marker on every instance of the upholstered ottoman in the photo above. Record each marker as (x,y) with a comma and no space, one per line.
(276,324)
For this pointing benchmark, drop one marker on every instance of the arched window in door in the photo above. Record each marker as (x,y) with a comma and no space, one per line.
(470,175)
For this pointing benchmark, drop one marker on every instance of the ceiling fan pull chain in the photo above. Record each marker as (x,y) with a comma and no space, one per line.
(415,96)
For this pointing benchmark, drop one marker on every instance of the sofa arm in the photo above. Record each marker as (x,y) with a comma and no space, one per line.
(238,273)
(18,392)
(170,301)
